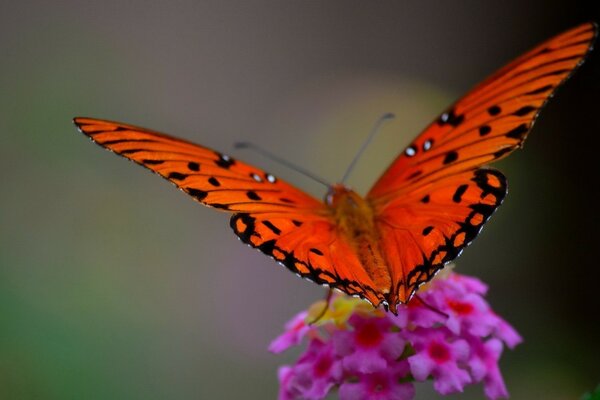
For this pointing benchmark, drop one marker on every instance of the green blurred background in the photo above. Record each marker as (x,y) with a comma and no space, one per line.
(115,285)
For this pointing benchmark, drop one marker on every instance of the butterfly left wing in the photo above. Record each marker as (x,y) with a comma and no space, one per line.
(268,214)
(434,198)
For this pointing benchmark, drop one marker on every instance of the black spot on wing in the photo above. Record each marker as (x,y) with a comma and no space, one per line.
(214,181)
(450,118)
(427,230)
(502,152)
(197,194)
(152,162)
(519,132)
(457,197)
(193,166)
(316,251)
(272,227)
(494,110)
(523,111)
(224,161)
(252,195)
(177,176)
(451,156)
(484,130)
(425,199)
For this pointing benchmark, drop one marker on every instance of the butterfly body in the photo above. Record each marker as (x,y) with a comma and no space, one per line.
(431,202)
(355,222)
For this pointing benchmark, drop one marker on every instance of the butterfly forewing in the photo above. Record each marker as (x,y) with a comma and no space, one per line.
(491,121)
(210,177)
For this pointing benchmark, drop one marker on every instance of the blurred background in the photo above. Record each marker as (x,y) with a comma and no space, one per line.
(115,285)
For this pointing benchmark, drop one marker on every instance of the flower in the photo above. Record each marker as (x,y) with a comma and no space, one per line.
(439,354)
(313,375)
(448,334)
(369,346)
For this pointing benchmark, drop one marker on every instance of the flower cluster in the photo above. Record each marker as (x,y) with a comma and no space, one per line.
(449,334)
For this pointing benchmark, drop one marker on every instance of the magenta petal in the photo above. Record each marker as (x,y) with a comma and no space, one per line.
(383,385)
(507,333)
(451,380)
(364,362)
(420,366)
(296,329)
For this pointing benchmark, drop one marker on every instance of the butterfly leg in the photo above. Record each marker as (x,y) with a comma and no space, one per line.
(430,307)
(325,308)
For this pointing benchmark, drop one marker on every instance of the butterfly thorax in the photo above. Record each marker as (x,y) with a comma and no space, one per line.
(354,218)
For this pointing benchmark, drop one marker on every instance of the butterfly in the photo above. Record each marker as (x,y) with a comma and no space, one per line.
(429,204)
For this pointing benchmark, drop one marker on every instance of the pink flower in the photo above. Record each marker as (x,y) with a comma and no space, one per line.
(438,354)
(382,385)
(315,373)
(370,346)
(449,335)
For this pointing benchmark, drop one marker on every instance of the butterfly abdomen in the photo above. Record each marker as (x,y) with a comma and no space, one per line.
(355,223)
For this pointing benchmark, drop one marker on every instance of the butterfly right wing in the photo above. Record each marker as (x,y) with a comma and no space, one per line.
(270,215)
(208,176)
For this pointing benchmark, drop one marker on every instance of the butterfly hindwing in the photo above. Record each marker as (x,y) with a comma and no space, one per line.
(309,246)
(426,229)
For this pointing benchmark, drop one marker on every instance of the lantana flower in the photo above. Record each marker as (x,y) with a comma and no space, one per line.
(448,335)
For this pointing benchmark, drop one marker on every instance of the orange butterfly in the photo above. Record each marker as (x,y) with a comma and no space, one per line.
(422,212)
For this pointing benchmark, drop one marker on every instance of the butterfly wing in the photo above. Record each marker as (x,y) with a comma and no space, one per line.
(268,213)
(442,164)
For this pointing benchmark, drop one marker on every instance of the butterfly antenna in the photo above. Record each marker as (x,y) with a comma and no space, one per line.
(376,128)
(268,154)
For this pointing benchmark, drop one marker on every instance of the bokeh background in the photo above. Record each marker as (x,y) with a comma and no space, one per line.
(115,285)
